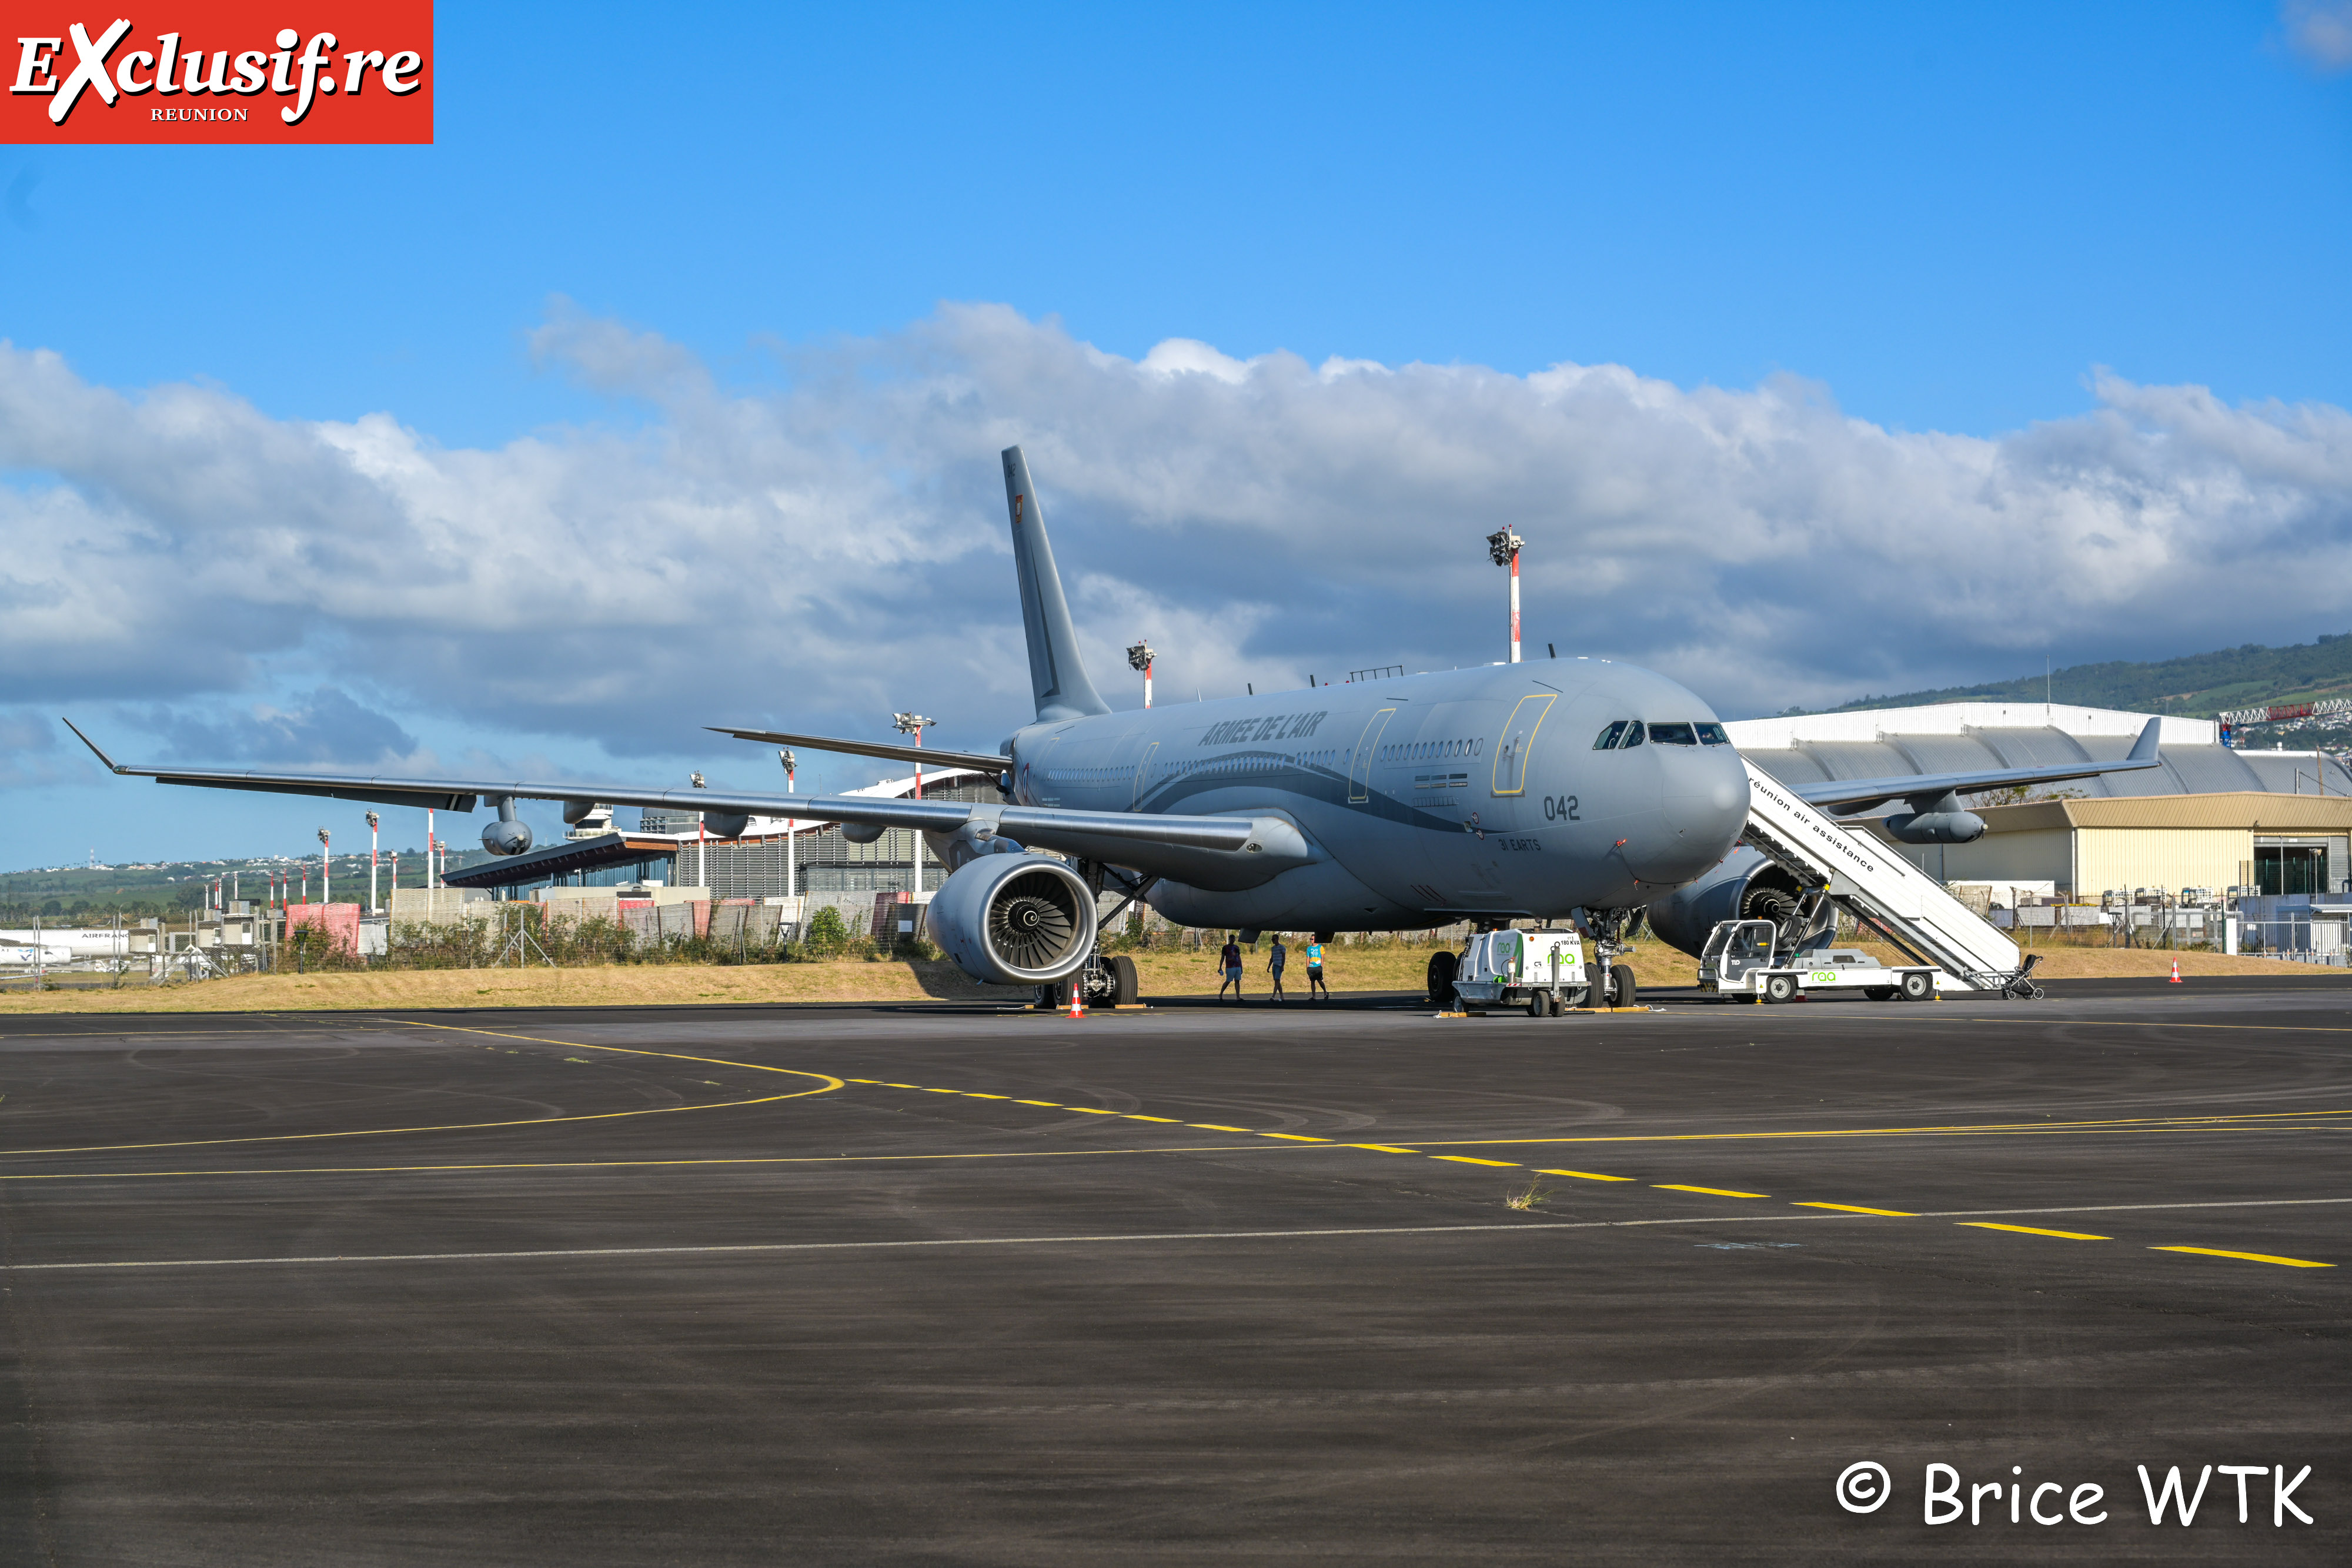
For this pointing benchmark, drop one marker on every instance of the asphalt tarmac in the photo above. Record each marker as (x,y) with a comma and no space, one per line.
(934,1284)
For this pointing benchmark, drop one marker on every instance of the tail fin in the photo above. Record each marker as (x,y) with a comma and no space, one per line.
(1056,672)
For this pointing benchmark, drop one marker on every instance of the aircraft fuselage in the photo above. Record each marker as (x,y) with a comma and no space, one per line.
(1426,798)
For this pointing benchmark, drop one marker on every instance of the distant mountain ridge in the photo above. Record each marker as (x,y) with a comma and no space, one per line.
(2196,685)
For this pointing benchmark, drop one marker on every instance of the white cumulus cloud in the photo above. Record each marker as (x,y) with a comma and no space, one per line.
(827,552)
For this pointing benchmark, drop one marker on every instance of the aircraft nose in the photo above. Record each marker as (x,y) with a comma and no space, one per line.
(1702,810)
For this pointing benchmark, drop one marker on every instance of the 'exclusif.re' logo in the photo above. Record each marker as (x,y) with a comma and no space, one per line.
(359,72)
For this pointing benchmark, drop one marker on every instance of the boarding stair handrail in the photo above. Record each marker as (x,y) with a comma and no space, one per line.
(1880,888)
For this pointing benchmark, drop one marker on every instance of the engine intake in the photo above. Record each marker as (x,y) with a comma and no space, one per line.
(507,836)
(1014,919)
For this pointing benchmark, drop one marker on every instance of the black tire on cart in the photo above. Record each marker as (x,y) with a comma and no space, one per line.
(1049,997)
(1918,987)
(1622,988)
(1780,987)
(1538,1005)
(1879,993)
(1558,1004)
(1442,968)
(1125,983)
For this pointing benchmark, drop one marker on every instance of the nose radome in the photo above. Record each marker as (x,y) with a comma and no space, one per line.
(1701,813)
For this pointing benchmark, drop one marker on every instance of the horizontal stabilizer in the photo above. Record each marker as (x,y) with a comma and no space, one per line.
(921,756)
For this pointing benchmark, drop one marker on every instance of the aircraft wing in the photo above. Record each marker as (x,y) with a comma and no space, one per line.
(921,756)
(1221,853)
(1846,796)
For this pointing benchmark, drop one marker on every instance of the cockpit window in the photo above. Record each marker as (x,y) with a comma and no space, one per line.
(1610,737)
(1633,735)
(1673,734)
(1712,735)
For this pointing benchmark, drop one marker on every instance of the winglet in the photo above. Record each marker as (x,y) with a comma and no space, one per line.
(2144,749)
(111,765)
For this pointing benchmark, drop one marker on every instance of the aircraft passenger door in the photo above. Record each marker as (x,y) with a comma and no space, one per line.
(1518,738)
(1360,768)
(1143,773)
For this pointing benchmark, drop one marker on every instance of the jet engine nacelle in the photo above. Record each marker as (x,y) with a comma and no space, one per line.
(725,824)
(1936,827)
(1014,919)
(1746,886)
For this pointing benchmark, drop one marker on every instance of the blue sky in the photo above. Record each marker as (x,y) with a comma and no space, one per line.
(1944,222)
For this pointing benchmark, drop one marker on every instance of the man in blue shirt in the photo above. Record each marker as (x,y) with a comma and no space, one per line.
(1315,986)
(1274,963)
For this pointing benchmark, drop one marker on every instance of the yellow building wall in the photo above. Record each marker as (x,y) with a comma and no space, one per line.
(2171,858)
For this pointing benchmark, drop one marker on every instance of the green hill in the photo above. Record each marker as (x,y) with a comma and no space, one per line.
(2198,685)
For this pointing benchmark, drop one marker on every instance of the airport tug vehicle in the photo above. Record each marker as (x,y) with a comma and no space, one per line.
(1751,959)
(1542,973)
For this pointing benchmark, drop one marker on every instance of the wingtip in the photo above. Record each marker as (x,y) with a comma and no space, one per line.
(111,765)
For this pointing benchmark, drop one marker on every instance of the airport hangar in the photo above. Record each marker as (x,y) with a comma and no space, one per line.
(2274,821)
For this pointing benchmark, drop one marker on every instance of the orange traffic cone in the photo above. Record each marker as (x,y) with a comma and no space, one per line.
(2176,971)
(1079,1001)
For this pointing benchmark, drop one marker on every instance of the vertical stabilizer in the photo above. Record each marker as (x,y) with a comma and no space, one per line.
(1055,673)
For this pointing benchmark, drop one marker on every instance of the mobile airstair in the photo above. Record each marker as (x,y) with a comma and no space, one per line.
(1878,887)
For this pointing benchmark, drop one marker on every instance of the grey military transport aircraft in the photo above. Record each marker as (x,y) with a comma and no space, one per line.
(1575,788)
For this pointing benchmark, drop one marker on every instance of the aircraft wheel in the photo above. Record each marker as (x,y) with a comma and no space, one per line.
(1442,967)
(1780,987)
(1917,987)
(1125,983)
(1596,985)
(1622,988)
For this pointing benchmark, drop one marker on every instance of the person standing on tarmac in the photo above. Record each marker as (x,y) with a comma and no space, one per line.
(1274,963)
(1315,985)
(1230,960)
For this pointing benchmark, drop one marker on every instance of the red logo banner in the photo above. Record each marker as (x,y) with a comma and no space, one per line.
(218,71)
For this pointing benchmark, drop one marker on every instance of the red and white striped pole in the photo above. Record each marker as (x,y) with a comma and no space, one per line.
(429,847)
(1503,549)
(912,724)
(1139,657)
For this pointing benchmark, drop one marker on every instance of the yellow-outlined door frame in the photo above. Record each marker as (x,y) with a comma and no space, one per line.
(1518,738)
(1360,768)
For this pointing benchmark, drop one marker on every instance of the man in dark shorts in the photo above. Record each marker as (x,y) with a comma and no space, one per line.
(1274,963)
(1229,960)
(1315,986)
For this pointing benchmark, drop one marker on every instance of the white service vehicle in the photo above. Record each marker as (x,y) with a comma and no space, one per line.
(1543,972)
(1741,959)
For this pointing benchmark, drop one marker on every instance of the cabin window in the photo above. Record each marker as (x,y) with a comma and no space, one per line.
(1673,734)
(1712,735)
(1610,736)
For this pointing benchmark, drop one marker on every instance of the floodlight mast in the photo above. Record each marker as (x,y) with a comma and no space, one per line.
(1139,657)
(1503,546)
(791,829)
(326,869)
(374,822)
(912,724)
